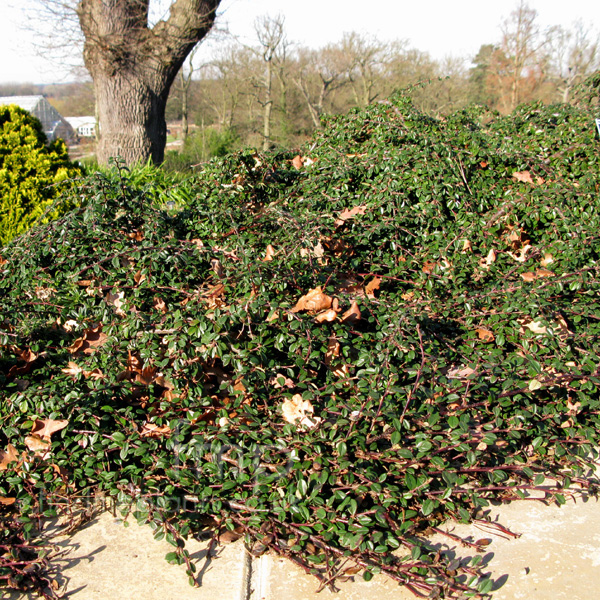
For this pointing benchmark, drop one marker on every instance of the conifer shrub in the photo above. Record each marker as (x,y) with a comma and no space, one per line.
(31,172)
(328,352)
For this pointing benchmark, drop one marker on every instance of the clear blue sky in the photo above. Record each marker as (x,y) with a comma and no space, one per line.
(440,27)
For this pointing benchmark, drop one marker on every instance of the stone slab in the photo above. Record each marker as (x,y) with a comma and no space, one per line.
(104,560)
(556,557)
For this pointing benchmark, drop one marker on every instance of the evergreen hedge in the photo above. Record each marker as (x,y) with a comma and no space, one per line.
(328,352)
(30,171)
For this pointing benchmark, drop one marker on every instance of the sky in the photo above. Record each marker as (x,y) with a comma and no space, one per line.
(441,27)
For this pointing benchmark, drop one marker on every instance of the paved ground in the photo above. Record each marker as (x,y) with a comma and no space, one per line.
(556,557)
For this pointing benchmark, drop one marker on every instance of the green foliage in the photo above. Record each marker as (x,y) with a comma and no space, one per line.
(200,147)
(30,172)
(450,356)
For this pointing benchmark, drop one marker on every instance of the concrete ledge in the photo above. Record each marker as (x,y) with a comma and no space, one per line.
(556,557)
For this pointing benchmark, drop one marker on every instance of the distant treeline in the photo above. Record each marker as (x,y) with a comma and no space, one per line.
(275,92)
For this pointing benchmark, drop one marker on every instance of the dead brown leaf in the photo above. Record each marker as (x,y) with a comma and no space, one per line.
(25,356)
(227,537)
(298,162)
(272,316)
(460,372)
(8,456)
(534,326)
(137,235)
(485,335)
(70,324)
(38,445)
(326,316)
(153,430)
(91,340)
(349,213)
(516,237)
(523,176)
(521,255)
(429,267)
(72,370)
(287,382)
(548,259)
(270,253)
(115,299)
(215,263)
(318,251)
(44,428)
(159,304)
(338,247)
(529,277)
(44,293)
(540,273)
(333,350)
(352,315)
(296,409)
(314,301)
(340,370)
(372,287)
(146,376)
(489,260)
(214,297)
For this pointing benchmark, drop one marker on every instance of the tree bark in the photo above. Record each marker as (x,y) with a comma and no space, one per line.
(133,67)
(268,106)
(185,89)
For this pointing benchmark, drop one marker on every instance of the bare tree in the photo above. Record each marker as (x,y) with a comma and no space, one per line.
(273,48)
(133,63)
(185,80)
(575,54)
(319,74)
(518,65)
(367,61)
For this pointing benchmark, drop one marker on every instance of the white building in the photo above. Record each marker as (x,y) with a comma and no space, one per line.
(53,124)
(84,126)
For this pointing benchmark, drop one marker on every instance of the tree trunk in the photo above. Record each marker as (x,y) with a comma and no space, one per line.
(268,107)
(185,90)
(132,119)
(133,67)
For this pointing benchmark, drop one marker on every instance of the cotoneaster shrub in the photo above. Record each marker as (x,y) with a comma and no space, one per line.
(30,171)
(328,352)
